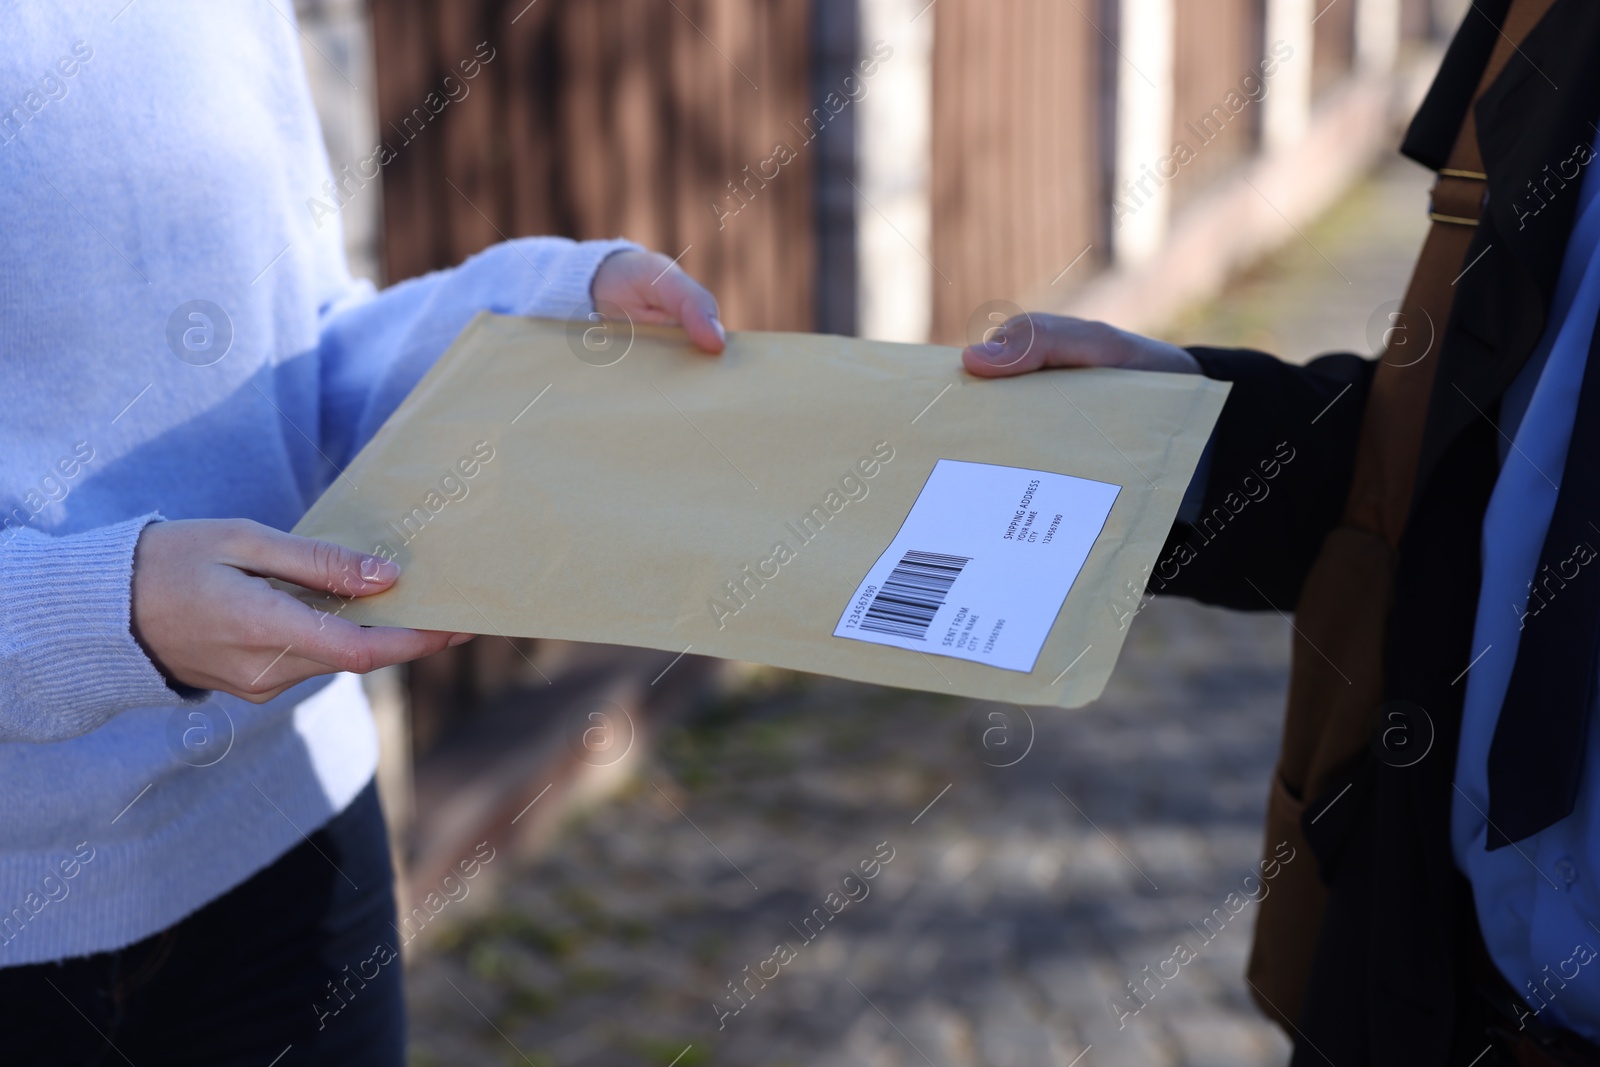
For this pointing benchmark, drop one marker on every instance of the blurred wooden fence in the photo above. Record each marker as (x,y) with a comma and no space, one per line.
(1333,49)
(596,118)
(1220,43)
(1019,155)
(656,118)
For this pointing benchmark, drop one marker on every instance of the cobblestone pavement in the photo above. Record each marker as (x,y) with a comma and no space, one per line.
(1011,903)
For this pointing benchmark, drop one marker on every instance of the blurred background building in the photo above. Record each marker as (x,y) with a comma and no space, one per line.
(906,170)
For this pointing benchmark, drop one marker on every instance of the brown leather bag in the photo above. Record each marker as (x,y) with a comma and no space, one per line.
(1344,607)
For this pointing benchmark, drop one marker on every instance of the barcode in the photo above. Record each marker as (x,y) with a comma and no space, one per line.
(913,593)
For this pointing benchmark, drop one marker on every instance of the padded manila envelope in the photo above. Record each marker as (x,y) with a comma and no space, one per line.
(854,508)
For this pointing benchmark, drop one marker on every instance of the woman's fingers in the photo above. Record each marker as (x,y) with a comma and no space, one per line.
(342,645)
(648,287)
(307,562)
(206,616)
(688,302)
(315,643)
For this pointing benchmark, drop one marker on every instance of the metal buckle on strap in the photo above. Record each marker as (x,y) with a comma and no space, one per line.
(1460,193)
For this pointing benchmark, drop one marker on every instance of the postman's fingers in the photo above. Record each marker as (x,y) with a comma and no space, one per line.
(1014,347)
(1028,342)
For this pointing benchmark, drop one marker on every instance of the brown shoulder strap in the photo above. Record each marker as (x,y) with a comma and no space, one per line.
(1343,609)
(1391,429)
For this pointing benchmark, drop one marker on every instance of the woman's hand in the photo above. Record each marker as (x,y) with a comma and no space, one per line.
(649,287)
(204,612)
(1031,342)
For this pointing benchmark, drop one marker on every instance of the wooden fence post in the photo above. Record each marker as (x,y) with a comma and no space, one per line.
(1377,34)
(1286,113)
(894,145)
(1144,129)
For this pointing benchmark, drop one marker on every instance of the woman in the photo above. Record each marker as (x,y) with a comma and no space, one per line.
(192,865)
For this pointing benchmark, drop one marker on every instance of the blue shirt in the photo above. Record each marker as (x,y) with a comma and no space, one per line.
(1538,900)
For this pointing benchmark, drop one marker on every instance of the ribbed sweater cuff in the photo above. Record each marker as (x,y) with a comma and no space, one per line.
(568,285)
(69,658)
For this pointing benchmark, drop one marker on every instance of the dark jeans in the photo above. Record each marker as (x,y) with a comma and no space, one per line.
(295,963)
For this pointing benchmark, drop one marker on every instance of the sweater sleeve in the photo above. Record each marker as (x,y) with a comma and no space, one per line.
(375,347)
(1275,478)
(68,660)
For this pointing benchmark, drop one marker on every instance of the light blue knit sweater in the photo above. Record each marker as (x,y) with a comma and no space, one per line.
(152,155)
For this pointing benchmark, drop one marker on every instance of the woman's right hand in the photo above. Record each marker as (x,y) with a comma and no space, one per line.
(206,615)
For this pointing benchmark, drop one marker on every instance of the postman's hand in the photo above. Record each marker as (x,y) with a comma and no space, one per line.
(1031,342)
(203,610)
(649,287)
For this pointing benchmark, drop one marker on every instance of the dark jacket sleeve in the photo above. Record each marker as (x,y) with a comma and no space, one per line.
(1280,463)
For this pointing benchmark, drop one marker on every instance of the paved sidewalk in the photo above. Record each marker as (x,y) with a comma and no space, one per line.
(1038,864)
(1319,292)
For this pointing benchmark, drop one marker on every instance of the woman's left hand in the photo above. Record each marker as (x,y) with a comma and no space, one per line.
(649,287)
